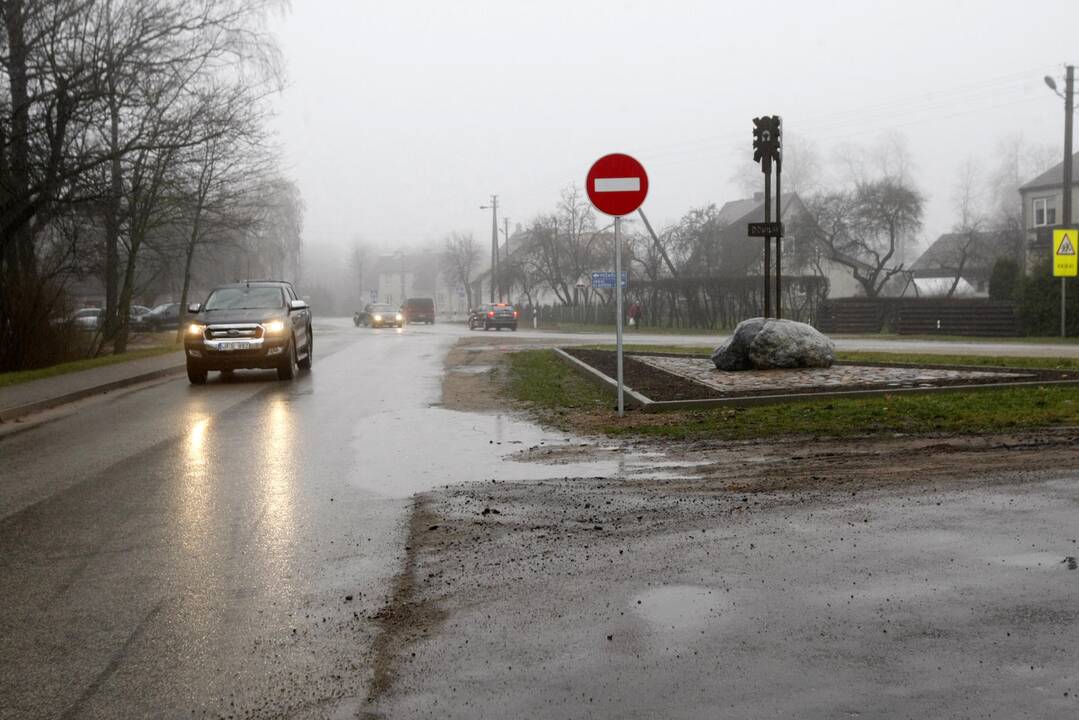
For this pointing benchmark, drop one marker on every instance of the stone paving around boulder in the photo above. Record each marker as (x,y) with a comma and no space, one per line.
(701,370)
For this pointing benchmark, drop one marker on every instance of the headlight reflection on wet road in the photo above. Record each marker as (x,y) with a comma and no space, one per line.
(276,471)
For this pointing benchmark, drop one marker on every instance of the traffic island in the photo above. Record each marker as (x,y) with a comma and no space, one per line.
(661,381)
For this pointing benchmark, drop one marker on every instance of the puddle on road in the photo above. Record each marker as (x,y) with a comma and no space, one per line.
(681,611)
(408,451)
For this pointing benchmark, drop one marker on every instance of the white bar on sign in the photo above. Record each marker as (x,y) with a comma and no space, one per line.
(631,184)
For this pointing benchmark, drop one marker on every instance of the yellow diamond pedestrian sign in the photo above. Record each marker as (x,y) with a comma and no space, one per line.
(1065,262)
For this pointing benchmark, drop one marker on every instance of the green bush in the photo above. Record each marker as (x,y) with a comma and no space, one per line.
(1005,282)
(1039,308)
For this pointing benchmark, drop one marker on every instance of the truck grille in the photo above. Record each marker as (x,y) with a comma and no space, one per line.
(239,332)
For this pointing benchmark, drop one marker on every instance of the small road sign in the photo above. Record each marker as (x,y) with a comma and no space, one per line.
(1065,260)
(765,229)
(617,184)
(605,280)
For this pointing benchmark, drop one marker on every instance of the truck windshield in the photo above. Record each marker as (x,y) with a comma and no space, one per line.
(245,298)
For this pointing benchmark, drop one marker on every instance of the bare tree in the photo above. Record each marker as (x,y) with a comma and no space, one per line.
(98,104)
(888,157)
(274,246)
(864,228)
(460,254)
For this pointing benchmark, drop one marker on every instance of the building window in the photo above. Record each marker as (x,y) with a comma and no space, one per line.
(1045,212)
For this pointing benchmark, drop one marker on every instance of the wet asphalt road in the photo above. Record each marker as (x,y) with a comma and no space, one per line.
(179,551)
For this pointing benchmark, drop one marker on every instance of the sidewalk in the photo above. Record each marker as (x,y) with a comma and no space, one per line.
(38,395)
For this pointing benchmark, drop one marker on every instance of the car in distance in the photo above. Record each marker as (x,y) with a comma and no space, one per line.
(165,316)
(257,324)
(138,318)
(88,319)
(493,315)
(419,310)
(378,315)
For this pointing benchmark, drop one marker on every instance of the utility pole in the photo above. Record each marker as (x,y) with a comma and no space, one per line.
(1066,204)
(493,207)
(506,224)
(1069,112)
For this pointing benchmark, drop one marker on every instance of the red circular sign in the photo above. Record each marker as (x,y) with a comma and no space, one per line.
(617,184)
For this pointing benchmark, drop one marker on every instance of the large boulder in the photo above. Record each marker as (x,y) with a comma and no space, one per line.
(734,353)
(764,344)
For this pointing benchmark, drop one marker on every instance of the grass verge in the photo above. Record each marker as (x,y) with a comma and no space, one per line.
(21,376)
(558,395)
(550,390)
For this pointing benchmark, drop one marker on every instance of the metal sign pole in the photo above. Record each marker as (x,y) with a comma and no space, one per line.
(768,240)
(779,239)
(618,305)
(1063,306)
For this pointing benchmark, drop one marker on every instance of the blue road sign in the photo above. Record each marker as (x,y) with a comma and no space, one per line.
(605,280)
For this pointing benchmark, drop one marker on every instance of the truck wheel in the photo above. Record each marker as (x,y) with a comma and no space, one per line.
(290,366)
(196,375)
(309,356)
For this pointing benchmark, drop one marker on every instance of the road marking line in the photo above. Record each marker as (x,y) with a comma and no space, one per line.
(627,184)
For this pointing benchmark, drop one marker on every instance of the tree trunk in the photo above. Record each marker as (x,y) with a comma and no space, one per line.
(190,255)
(112,224)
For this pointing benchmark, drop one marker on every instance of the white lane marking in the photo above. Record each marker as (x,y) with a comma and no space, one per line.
(627,184)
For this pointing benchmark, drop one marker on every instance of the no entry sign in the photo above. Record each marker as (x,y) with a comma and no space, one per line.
(617,184)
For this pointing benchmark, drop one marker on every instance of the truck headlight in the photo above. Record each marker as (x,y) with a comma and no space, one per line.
(274,326)
(196,329)
(378,318)
(400,317)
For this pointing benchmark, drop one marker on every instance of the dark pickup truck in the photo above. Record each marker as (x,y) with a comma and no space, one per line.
(257,324)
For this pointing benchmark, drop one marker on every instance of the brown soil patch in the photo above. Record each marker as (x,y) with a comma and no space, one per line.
(651,382)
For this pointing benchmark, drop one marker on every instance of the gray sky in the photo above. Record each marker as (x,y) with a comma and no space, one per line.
(402,117)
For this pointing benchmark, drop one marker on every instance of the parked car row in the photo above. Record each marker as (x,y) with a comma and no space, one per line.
(140,318)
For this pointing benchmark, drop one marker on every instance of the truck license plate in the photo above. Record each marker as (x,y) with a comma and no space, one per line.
(235,346)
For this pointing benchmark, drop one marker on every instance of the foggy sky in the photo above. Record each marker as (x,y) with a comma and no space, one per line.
(401,118)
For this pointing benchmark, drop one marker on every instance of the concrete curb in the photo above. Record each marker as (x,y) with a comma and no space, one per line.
(18,411)
(630,397)
(648,405)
